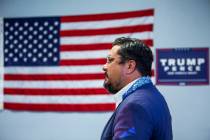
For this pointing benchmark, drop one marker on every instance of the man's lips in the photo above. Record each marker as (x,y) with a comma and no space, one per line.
(105,74)
(106,77)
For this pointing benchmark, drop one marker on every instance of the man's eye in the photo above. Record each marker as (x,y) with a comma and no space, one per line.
(109,60)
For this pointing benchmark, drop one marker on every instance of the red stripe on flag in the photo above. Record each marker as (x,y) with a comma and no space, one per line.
(148,42)
(99,61)
(107,16)
(60,107)
(35,77)
(57,92)
(48,77)
(116,30)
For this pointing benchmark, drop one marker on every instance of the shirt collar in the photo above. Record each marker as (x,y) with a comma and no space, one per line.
(119,95)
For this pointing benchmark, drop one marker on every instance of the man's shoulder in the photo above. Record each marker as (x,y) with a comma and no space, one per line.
(145,93)
(144,97)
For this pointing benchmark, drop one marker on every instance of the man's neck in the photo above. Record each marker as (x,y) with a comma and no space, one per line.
(118,96)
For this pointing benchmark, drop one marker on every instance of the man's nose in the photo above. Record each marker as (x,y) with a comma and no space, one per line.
(104,67)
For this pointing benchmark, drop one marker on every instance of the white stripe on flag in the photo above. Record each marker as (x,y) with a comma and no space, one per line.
(85,99)
(57,84)
(55,70)
(54,84)
(84,54)
(107,24)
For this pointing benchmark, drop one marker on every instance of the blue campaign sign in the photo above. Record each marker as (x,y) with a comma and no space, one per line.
(182,66)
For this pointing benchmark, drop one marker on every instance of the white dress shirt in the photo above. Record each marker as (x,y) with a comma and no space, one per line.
(119,95)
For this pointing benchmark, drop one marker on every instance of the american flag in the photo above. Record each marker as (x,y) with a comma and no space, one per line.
(55,63)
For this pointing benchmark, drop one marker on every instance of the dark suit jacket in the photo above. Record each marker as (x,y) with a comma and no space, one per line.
(143,115)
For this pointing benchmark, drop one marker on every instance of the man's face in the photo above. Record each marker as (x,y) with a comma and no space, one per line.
(113,71)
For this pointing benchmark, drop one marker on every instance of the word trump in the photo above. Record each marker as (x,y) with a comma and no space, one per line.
(182,64)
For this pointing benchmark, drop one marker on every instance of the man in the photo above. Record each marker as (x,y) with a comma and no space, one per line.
(142,112)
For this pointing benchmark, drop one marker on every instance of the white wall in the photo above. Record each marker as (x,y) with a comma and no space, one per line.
(178,23)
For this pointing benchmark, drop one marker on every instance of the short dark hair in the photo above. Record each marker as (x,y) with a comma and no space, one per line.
(135,49)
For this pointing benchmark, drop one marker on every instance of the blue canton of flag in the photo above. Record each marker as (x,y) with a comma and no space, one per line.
(31,41)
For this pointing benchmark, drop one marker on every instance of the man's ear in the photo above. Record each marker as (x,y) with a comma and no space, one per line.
(131,66)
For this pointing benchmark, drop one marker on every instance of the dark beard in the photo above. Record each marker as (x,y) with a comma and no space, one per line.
(110,88)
